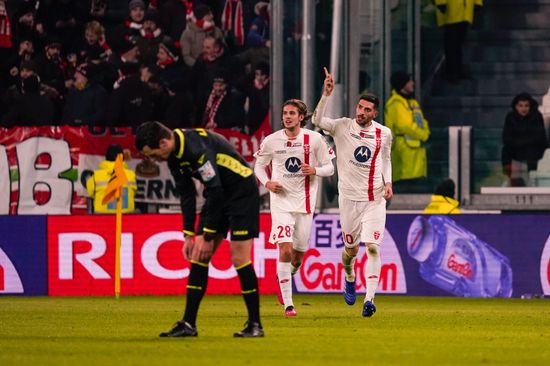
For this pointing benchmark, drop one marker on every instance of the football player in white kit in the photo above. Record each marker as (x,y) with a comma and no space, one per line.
(364,186)
(298,158)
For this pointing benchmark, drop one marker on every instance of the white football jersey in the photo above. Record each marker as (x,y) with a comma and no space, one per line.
(286,154)
(364,157)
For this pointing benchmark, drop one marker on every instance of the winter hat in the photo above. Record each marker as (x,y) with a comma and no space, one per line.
(136,4)
(398,80)
(112,152)
(201,10)
(221,76)
(446,188)
(171,48)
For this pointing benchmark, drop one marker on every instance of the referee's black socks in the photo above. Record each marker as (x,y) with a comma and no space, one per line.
(249,288)
(196,287)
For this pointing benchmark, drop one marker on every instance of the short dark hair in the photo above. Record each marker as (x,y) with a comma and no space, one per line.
(150,134)
(369,97)
(302,110)
(112,152)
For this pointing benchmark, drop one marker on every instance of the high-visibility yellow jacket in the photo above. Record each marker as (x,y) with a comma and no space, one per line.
(457,11)
(441,205)
(97,183)
(410,129)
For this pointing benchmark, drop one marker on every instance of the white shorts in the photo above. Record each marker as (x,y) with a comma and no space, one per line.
(291,227)
(362,221)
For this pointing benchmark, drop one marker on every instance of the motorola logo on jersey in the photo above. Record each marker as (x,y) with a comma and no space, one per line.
(362,154)
(292,164)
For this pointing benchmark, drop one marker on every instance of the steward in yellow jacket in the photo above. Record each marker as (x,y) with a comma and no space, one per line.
(97,183)
(443,202)
(456,11)
(442,205)
(409,128)
(455,17)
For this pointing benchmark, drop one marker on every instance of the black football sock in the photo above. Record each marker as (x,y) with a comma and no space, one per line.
(196,287)
(249,288)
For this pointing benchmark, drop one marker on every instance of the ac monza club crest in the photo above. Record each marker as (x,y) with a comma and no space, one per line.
(376,235)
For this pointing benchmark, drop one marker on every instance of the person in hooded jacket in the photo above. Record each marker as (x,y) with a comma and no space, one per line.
(410,129)
(523,139)
(443,201)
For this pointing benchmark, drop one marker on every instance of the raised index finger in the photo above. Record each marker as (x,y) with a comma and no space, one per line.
(327,74)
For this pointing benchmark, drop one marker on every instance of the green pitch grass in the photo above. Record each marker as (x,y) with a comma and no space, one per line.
(405,330)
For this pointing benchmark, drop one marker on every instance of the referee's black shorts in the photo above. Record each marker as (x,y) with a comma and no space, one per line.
(241,211)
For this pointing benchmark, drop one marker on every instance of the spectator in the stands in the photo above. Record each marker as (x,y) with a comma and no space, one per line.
(86,101)
(258,98)
(32,108)
(94,42)
(173,15)
(26,25)
(10,66)
(131,102)
(125,51)
(64,19)
(170,68)
(224,107)
(213,59)
(258,38)
(455,17)
(200,26)
(51,66)
(107,72)
(523,139)
(150,36)
(110,13)
(134,24)
(12,95)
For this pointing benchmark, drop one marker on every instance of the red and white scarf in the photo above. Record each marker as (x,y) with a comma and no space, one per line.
(150,35)
(5,27)
(212,106)
(234,23)
(133,25)
(260,84)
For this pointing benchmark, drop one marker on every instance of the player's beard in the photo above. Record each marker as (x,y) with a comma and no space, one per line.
(362,121)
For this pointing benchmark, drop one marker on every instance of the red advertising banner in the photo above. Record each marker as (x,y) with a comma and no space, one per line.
(81,257)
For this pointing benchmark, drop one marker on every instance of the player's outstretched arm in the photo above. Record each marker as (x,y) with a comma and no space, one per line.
(318,115)
(328,84)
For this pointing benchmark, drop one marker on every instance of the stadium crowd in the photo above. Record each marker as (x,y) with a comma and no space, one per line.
(121,63)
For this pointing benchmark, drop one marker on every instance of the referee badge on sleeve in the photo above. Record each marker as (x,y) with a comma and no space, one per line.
(207,171)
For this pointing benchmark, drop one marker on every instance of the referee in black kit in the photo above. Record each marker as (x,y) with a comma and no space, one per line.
(231,203)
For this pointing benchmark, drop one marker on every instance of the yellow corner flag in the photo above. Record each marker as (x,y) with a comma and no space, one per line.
(118,179)
(113,190)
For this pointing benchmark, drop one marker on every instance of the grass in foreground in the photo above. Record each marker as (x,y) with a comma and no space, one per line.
(405,330)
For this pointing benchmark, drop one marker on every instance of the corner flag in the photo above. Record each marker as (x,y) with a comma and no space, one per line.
(113,190)
(118,179)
